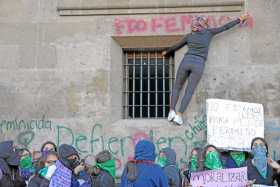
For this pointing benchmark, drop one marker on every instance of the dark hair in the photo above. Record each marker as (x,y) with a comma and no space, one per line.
(49,142)
(208,146)
(20,151)
(42,160)
(205,150)
(103,156)
(200,157)
(263,140)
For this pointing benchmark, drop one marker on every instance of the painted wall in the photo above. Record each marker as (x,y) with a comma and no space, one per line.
(60,77)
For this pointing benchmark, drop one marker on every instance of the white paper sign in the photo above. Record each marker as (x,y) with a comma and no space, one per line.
(232,125)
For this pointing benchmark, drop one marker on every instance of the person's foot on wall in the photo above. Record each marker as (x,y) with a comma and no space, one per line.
(171,115)
(178,120)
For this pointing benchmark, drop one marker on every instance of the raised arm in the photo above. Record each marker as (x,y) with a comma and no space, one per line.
(177,46)
(229,25)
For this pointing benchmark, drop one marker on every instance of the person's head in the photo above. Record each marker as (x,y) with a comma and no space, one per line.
(196,159)
(6,149)
(45,163)
(48,146)
(199,23)
(211,158)
(103,156)
(89,163)
(25,158)
(167,156)
(145,150)
(9,153)
(51,158)
(24,152)
(258,145)
(105,162)
(69,156)
(210,148)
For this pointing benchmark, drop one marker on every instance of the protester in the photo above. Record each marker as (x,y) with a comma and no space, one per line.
(9,166)
(259,170)
(105,170)
(167,160)
(26,165)
(196,160)
(44,171)
(195,165)
(36,157)
(142,171)
(212,158)
(235,159)
(89,163)
(70,167)
(276,167)
(193,63)
(48,146)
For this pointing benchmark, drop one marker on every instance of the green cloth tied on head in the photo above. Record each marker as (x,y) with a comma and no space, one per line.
(238,157)
(109,166)
(213,161)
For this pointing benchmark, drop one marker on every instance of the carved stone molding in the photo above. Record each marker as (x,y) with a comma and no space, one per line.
(129,7)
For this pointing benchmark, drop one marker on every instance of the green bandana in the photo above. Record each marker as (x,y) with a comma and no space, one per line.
(194,163)
(109,166)
(47,172)
(43,172)
(212,161)
(26,162)
(238,157)
(161,161)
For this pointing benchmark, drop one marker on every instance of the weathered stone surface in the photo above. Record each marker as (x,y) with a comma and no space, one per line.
(61,77)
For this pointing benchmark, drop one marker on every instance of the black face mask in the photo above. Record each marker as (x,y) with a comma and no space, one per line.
(73,163)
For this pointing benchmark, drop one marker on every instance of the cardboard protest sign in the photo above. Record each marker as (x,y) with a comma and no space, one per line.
(236,177)
(232,125)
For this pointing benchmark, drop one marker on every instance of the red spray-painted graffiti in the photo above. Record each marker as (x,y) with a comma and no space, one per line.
(167,24)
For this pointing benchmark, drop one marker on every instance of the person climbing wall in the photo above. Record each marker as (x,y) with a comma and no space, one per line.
(192,65)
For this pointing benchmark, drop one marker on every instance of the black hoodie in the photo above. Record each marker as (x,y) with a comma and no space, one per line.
(64,152)
(9,162)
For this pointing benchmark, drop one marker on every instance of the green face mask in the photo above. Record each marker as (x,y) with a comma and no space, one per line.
(162,160)
(194,163)
(26,162)
(238,157)
(212,161)
(109,166)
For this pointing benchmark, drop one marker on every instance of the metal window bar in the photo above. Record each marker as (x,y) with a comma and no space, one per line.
(149,90)
(141,85)
(126,95)
(163,85)
(133,100)
(156,83)
(134,110)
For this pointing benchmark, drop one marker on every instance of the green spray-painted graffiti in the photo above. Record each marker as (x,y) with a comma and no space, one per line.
(22,125)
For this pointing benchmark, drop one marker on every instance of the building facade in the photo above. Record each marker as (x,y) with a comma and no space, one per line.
(91,74)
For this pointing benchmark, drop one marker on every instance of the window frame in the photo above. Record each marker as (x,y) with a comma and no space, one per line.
(166,61)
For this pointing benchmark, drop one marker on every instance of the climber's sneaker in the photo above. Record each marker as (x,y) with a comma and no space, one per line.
(171,115)
(178,120)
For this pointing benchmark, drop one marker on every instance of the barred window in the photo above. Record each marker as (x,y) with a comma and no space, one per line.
(148,79)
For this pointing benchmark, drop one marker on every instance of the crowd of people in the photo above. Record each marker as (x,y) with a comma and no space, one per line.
(63,166)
